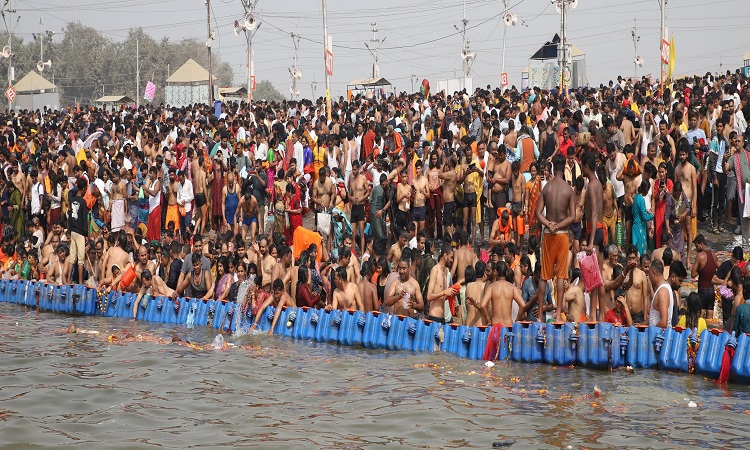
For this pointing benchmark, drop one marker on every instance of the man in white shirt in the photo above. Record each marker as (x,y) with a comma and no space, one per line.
(185,198)
(37,193)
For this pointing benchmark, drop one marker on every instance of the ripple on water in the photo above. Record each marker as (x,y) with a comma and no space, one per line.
(81,389)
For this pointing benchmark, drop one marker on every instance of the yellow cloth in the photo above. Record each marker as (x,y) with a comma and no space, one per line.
(478,182)
(81,155)
(701,324)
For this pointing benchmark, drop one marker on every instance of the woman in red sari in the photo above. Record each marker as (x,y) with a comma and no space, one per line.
(533,189)
(662,188)
(293,210)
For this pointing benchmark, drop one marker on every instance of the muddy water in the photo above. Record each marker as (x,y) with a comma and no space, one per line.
(129,386)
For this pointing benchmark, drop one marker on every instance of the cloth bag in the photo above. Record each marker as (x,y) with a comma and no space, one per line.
(592,277)
(324,223)
(746,211)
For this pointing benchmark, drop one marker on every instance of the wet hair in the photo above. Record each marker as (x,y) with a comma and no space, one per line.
(666,257)
(470,275)
(735,276)
(366,269)
(146,274)
(479,268)
(575,273)
(502,269)
(278,285)
(678,269)
(692,315)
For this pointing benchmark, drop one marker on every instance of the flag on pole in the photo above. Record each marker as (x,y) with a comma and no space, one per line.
(670,71)
(150,91)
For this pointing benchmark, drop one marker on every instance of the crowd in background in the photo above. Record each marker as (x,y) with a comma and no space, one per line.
(423,204)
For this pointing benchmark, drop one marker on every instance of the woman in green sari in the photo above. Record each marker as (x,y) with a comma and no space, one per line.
(16,210)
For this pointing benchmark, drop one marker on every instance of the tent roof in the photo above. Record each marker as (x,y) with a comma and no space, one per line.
(549,50)
(33,82)
(370,82)
(240,90)
(115,99)
(747,56)
(190,72)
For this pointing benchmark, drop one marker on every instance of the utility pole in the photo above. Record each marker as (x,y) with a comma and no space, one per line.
(41,37)
(326,47)
(137,75)
(563,48)
(294,72)
(466,55)
(208,45)
(10,27)
(313,87)
(376,43)
(637,60)
(662,36)
(413,80)
(250,26)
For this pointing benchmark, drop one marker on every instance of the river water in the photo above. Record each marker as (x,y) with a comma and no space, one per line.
(129,386)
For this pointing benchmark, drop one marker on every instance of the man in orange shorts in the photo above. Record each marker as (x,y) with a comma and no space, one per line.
(559,199)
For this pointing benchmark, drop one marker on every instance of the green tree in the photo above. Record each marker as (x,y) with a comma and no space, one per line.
(266,90)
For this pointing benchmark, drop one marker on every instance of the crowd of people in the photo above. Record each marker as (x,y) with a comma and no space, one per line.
(481,208)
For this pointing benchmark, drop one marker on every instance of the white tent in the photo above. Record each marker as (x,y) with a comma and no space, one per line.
(35,92)
(188,85)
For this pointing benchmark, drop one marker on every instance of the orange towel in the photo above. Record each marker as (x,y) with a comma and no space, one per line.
(303,238)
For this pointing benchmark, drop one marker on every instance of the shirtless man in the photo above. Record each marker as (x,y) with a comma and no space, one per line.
(346,296)
(559,199)
(439,289)
(501,178)
(628,130)
(115,255)
(60,266)
(143,264)
(593,213)
(474,291)
(449,176)
(499,296)
(367,289)
(199,189)
(282,269)
(421,191)
(463,257)
(279,299)
(394,253)
(247,215)
(358,195)
(519,200)
(268,263)
(631,179)
(686,174)
(405,296)
(574,299)
(636,289)
(49,251)
(511,137)
(322,199)
(579,190)
(346,261)
(152,286)
(403,196)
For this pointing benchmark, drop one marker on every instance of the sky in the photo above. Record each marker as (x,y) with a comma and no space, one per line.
(418,38)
